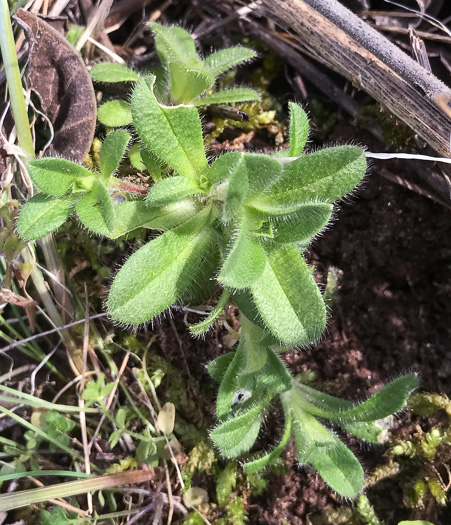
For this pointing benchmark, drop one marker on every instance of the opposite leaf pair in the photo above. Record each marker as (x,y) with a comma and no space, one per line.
(67,186)
(252,376)
(182,78)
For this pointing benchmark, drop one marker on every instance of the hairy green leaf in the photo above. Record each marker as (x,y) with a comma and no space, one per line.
(172,189)
(43,214)
(325,175)
(274,375)
(244,263)
(229,383)
(225,59)
(219,366)
(339,468)
(113,149)
(227,96)
(115,113)
(322,401)
(135,158)
(330,407)
(238,187)
(370,431)
(254,341)
(177,53)
(302,224)
(299,129)
(335,463)
(174,134)
(152,163)
(237,435)
(415,522)
(55,176)
(268,459)
(157,274)
(250,174)
(204,283)
(245,302)
(387,401)
(175,44)
(96,210)
(288,298)
(187,83)
(111,72)
(223,167)
(136,214)
(262,172)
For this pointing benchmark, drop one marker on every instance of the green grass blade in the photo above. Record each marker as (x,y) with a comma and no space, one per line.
(72,488)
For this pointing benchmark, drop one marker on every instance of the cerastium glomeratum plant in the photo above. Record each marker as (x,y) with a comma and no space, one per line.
(242,221)
(182,77)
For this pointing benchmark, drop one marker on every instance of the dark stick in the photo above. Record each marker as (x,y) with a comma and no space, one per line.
(346,44)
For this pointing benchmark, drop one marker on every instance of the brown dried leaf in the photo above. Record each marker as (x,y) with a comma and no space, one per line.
(60,79)
(7,296)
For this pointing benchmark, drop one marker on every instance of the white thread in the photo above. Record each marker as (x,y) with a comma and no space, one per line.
(386,156)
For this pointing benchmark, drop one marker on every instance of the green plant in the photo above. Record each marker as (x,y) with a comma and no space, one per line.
(256,373)
(259,214)
(183,77)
